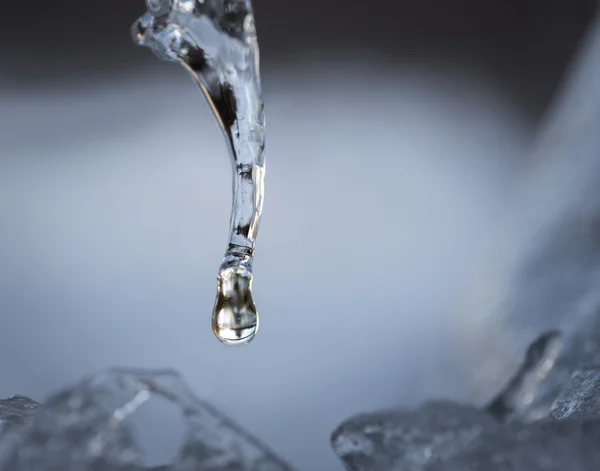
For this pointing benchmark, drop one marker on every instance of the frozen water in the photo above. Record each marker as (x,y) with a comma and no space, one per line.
(410,441)
(453,437)
(580,399)
(15,409)
(541,446)
(458,438)
(215,40)
(581,348)
(85,428)
(447,436)
(524,387)
(550,363)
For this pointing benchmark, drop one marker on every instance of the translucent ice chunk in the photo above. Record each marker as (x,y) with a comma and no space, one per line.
(522,390)
(576,349)
(16,409)
(450,437)
(84,429)
(409,441)
(581,397)
(215,40)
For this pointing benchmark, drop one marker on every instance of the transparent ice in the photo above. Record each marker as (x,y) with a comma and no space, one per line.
(86,428)
(522,393)
(215,40)
(549,365)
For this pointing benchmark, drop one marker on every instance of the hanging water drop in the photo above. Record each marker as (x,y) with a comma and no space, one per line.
(235,320)
(215,40)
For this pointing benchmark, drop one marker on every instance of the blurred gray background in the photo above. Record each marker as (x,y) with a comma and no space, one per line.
(395,131)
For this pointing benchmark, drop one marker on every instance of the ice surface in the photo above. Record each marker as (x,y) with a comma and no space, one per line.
(522,390)
(581,397)
(410,441)
(166,23)
(16,409)
(577,349)
(452,437)
(444,436)
(541,446)
(84,428)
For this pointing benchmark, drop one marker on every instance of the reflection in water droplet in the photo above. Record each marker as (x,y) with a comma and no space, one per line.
(235,319)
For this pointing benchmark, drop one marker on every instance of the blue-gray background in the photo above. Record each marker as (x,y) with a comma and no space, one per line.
(395,131)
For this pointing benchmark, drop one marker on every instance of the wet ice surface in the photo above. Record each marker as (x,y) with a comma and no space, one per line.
(410,441)
(529,380)
(541,446)
(107,216)
(16,409)
(459,438)
(453,437)
(84,428)
(580,348)
(580,399)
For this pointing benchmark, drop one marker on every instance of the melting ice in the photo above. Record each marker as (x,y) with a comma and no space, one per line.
(215,40)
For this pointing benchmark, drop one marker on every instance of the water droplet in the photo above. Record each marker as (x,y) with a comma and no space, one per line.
(235,318)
